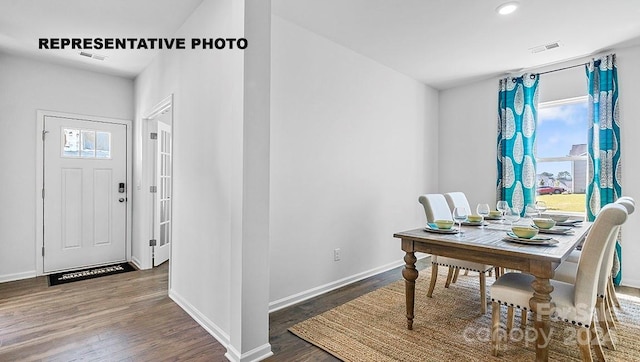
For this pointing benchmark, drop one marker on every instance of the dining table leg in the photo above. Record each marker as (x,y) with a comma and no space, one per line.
(541,305)
(410,274)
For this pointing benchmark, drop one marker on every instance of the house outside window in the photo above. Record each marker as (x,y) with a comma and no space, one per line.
(561,155)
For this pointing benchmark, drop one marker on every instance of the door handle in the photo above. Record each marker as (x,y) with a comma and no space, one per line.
(122,199)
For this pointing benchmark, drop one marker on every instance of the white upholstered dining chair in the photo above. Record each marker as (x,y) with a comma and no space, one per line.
(574,303)
(575,256)
(567,271)
(436,208)
(459,199)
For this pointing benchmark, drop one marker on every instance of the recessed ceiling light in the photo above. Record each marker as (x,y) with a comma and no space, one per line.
(507,8)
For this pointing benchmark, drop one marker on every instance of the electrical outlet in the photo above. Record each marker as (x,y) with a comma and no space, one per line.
(336,254)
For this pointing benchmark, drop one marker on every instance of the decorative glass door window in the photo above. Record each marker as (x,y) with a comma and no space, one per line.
(86,143)
(103,145)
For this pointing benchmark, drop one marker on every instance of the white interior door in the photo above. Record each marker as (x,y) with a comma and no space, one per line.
(162,222)
(84,194)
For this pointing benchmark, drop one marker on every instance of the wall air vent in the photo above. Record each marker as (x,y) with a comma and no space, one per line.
(93,56)
(541,48)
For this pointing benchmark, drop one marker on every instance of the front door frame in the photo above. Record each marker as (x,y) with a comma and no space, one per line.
(41,114)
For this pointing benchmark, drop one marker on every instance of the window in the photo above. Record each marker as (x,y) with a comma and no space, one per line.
(86,144)
(561,154)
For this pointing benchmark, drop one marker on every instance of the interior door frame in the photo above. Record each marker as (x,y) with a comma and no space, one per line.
(41,114)
(148,170)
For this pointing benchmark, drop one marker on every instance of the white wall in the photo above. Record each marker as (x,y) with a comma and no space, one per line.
(468,123)
(353,145)
(467,151)
(218,265)
(26,86)
(204,107)
(629,79)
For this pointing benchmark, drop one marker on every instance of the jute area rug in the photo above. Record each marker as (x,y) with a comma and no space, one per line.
(447,327)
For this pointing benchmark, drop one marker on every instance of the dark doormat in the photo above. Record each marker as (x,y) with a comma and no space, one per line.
(90,273)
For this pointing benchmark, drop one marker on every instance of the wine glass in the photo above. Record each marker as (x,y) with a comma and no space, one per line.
(459,215)
(512,215)
(502,206)
(483,210)
(530,210)
(541,207)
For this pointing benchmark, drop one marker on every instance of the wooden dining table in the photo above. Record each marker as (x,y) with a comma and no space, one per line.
(486,245)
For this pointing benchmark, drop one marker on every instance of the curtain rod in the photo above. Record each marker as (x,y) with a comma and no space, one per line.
(533,75)
(565,68)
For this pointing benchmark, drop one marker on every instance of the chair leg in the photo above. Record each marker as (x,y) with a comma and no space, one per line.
(449,277)
(603,321)
(611,313)
(498,272)
(466,272)
(510,319)
(483,293)
(523,319)
(612,292)
(596,342)
(495,327)
(583,338)
(434,277)
(455,275)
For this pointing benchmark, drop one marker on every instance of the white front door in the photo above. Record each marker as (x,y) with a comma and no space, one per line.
(84,193)
(162,222)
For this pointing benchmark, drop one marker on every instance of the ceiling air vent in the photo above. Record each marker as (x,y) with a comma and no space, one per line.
(541,48)
(93,56)
(552,45)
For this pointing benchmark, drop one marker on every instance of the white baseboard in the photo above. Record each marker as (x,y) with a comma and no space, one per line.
(202,320)
(17,276)
(136,262)
(313,292)
(256,354)
(264,351)
(633,283)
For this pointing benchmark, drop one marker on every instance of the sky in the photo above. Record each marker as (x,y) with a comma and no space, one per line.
(558,128)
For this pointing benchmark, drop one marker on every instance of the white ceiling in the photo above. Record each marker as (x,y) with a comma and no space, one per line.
(442,42)
(438,42)
(22,22)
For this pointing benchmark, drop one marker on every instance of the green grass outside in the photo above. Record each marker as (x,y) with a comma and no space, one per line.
(569,202)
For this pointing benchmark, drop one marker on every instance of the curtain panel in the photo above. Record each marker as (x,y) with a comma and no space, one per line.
(517,117)
(603,142)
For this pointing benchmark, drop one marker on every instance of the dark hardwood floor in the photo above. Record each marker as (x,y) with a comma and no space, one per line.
(129,317)
(287,347)
(124,317)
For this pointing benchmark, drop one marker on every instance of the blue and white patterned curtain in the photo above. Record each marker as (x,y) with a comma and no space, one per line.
(517,115)
(603,142)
